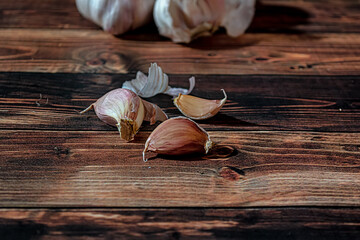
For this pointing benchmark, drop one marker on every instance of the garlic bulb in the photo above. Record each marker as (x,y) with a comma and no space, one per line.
(199,108)
(178,136)
(117,16)
(125,110)
(185,20)
(156,82)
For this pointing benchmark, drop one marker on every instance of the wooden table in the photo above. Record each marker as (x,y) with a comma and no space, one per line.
(293,116)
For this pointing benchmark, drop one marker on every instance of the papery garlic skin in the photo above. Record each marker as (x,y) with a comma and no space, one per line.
(121,108)
(156,82)
(178,136)
(199,108)
(148,86)
(117,16)
(185,20)
(153,113)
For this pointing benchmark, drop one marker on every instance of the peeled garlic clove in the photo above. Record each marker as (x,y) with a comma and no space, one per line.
(156,82)
(117,16)
(185,20)
(199,108)
(153,113)
(178,136)
(121,108)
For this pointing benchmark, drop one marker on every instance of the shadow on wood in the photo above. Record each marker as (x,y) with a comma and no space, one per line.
(222,119)
(217,153)
(278,19)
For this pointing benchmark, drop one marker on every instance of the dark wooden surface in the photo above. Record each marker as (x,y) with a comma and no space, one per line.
(204,223)
(292,120)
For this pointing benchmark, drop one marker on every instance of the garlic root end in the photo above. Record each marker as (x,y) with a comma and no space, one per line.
(126,129)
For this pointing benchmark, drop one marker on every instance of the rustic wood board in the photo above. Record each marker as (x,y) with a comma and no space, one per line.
(78,51)
(231,223)
(292,120)
(80,169)
(260,102)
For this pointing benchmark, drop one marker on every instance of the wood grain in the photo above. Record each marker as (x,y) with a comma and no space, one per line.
(89,51)
(254,223)
(299,40)
(42,14)
(316,103)
(81,169)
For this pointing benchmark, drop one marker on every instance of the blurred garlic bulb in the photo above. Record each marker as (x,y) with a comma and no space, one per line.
(185,20)
(117,16)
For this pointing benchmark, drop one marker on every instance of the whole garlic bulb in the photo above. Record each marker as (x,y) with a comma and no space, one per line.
(117,16)
(185,20)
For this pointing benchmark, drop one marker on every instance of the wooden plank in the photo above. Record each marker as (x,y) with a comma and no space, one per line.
(303,17)
(316,103)
(254,223)
(88,51)
(82,169)
(291,16)
(42,14)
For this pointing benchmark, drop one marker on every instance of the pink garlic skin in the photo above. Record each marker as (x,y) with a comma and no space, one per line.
(153,113)
(126,110)
(178,136)
(109,107)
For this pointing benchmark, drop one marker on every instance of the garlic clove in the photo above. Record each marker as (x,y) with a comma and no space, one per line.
(121,108)
(156,82)
(153,113)
(199,108)
(117,16)
(178,136)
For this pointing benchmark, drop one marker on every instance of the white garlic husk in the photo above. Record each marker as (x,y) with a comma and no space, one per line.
(156,82)
(117,16)
(185,20)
